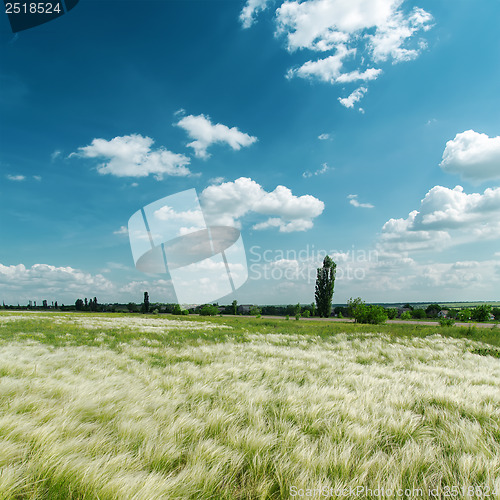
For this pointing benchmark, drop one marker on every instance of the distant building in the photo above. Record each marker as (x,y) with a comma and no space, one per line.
(443,313)
(402,310)
(244,308)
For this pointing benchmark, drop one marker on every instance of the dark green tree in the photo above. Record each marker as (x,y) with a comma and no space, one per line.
(481,313)
(234,305)
(325,281)
(79,304)
(432,310)
(145,305)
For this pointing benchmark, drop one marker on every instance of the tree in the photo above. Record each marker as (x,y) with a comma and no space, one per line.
(481,313)
(352,306)
(79,304)
(313,308)
(392,313)
(325,282)
(209,310)
(234,305)
(255,311)
(432,310)
(418,314)
(364,313)
(464,314)
(145,305)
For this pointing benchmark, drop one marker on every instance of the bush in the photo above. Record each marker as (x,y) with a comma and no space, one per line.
(392,313)
(306,313)
(177,310)
(418,314)
(255,311)
(446,321)
(369,314)
(209,310)
(406,315)
(297,316)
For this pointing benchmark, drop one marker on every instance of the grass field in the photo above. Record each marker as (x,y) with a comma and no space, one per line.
(133,407)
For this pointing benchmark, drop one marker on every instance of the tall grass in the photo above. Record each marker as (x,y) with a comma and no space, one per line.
(92,410)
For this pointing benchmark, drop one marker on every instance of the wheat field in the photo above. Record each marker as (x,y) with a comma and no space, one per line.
(118,407)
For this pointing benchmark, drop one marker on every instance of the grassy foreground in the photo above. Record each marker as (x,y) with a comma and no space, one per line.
(131,407)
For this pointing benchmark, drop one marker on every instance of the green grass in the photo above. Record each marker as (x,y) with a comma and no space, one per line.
(132,407)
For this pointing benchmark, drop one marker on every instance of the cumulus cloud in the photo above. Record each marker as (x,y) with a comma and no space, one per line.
(16,178)
(194,217)
(330,68)
(47,281)
(390,37)
(204,133)
(355,35)
(445,217)
(324,137)
(353,98)
(251,8)
(226,203)
(353,200)
(133,156)
(474,156)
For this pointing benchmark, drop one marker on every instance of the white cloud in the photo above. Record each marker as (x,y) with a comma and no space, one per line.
(285,227)
(362,33)
(474,156)
(56,154)
(204,133)
(324,168)
(132,156)
(251,8)
(16,178)
(167,213)
(226,203)
(50,282)
(37,178)
(216,180)
(388,40)
(122,230)
(324,137)
(446,217)
(353,200)
(353,98)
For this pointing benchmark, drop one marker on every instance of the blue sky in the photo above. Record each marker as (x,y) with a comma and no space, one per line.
(378,119)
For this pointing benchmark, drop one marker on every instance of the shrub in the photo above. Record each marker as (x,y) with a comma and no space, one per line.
(254,311)
(364,313)
(287,316)
(392,313)
(406,315)
(306,313)
(418,314)
(446,321)
(297,316)
(209,310)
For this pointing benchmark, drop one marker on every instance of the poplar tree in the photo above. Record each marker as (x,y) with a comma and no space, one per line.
(325,280)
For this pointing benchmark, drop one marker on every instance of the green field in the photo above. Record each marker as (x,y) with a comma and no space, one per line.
(143,407)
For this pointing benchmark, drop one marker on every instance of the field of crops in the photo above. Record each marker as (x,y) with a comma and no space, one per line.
(144,408)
